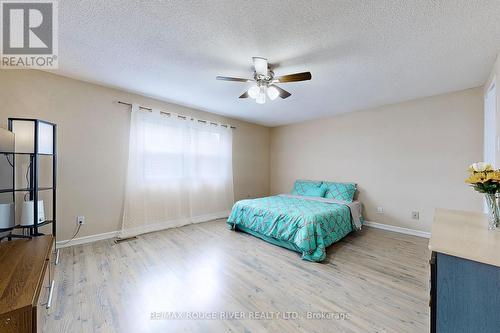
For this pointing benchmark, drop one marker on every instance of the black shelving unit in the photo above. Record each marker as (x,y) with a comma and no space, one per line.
(9,156)
(21,127)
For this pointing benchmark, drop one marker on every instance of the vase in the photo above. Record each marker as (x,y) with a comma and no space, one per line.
(492,201)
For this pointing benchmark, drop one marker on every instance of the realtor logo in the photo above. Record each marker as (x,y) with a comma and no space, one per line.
(29,34)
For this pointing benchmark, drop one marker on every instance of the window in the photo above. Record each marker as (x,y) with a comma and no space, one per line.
(178,171)
(184,152)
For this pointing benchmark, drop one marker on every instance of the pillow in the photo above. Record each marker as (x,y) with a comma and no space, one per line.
(302,186)
(340,191)
(315,191)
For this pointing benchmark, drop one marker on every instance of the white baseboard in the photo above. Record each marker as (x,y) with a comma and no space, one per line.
(401,230)
(144,229)
(86,239)
(113,234)
(141,230)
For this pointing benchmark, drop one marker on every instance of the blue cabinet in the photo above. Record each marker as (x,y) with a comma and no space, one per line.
(465,295)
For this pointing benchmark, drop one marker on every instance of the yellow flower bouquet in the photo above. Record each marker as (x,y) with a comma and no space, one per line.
(484,179)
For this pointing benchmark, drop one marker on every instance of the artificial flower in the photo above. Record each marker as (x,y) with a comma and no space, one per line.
(483,178)
(480,167)
(476,178)
(493,176)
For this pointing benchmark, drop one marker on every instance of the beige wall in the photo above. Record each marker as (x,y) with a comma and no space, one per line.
(93,143)
(406,157)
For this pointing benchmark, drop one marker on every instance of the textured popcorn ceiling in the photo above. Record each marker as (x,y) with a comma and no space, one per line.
(361,53)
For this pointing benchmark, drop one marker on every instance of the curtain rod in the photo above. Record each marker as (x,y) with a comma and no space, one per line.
(179,115)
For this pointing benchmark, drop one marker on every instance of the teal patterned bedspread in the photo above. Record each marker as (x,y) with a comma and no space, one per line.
(300,224)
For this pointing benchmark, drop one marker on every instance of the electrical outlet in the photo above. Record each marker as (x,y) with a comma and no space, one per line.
(415,215)
(380,210)
(80,220)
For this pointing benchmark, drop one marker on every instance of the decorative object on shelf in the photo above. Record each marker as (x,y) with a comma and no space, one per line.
(484,179)
(27,213)
(7,216)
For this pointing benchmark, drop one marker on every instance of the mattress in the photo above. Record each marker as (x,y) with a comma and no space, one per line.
(307,225)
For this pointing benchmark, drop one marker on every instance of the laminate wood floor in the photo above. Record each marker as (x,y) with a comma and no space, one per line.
(226,281)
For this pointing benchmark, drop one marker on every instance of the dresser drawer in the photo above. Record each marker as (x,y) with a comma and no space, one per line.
(18,321)
(27,263)
(44,301)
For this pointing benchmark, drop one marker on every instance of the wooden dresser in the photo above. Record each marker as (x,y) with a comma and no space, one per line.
(465,273)
(26,283)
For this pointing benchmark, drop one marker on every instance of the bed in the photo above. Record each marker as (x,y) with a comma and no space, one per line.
(306,221)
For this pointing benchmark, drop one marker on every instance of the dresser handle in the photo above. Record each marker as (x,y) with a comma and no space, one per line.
(49,300)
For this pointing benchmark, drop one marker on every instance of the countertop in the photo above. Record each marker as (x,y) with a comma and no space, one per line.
(465,235)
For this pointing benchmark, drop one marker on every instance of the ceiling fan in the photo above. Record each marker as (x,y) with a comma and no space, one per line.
(265,82)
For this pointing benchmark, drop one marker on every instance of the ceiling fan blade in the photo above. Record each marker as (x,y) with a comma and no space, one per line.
(260,65)
(245,95)
(283,93)
(294,77)
(227,78)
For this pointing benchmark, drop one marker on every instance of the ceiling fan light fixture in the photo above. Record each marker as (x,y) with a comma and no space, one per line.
(253,92)
(272,93)
(264,82)
(260,65)
(261,99)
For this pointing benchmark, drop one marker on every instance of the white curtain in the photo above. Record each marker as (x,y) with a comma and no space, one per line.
(179,172)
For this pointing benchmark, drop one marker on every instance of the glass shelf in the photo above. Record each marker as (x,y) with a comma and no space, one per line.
(41,224)
(13,153)
(26,189)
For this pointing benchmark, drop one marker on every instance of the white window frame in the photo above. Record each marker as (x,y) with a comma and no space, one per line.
(491,144)
(490,135)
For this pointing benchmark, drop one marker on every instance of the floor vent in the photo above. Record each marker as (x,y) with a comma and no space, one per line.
(121,240)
